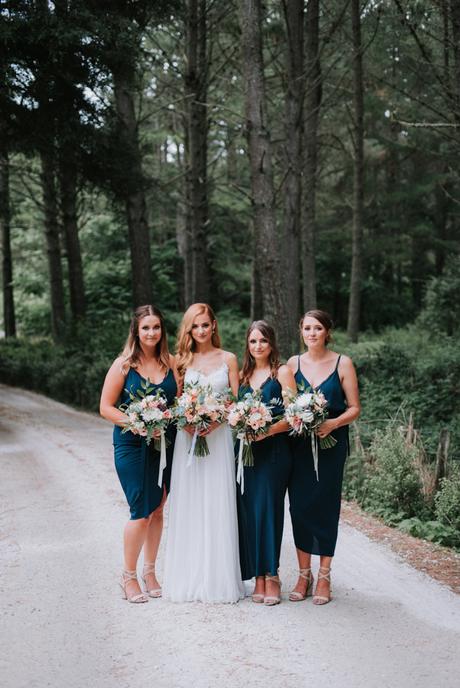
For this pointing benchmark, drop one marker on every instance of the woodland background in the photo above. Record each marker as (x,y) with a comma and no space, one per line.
(267,158)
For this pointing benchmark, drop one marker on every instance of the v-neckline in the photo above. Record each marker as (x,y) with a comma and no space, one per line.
(147,379)
(257,389)
(321,383)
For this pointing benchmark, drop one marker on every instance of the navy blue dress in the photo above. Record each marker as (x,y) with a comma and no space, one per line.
(315,505)
(261,507)
(136,463)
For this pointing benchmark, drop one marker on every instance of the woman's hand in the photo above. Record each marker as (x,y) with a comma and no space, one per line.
(209,429)
(190,429)
(326,428)
(156,434)
(264,436)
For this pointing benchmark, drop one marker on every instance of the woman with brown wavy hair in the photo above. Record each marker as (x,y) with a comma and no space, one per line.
(145,357)
(202,558)
(261,506)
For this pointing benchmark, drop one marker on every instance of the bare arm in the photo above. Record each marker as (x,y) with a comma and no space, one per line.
(349,381)
(233,372)
(111,390)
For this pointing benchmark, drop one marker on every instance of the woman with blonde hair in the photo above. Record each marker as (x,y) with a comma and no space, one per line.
(202,555)
(144,357)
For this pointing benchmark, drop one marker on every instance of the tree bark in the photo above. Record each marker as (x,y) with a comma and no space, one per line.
(124,79)
(455,20)
(260,161)
(7,261)
(196,152)
(312,110)
(354,306)
(53,247)
(68,197)
(294,20)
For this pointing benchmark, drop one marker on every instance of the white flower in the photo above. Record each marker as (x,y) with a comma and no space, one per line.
(152,414)
(304,400)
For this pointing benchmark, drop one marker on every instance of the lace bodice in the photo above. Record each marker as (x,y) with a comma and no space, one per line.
(217,379)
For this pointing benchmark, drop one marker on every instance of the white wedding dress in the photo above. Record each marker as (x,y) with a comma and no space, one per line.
(202,553)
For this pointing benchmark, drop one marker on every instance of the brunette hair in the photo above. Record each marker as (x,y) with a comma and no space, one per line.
(248,361)
(132,351)
(323,317)
(185,343)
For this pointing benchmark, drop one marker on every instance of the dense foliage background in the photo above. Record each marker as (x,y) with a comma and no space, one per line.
(265,157)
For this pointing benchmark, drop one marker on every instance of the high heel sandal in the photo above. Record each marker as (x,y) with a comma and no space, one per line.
(271,600)
(137,598)
(323,574)
(295,596)
(153,592)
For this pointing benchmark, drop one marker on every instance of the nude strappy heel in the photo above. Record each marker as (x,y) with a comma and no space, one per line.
(137,598)
(271,600)
(295,596)
(323,574)
(153,592)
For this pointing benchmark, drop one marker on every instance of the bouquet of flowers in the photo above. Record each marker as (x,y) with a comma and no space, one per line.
(249,418)
(199,406)
(149,415)
(305,412)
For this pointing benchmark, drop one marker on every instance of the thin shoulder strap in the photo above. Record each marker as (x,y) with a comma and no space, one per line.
(298,363)
(338,361)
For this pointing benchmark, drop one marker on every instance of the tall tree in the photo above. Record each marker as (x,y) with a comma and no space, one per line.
(354,307)
(196,151)
(312,112)
(260,161)
(294,20)
(7,262)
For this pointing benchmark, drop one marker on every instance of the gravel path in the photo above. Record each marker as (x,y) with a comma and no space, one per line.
(63,623)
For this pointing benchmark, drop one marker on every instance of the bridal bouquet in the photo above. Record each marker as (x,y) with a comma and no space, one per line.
(149,415)
(249,418)
(305,412)
(199,406)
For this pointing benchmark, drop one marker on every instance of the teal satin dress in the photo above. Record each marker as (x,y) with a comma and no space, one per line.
(315,505)
(137,463)
(261,506)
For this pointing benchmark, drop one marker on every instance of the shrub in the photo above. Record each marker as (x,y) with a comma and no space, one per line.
(447,500)
(393,484)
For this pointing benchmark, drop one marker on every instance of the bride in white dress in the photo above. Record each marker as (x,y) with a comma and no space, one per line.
(202,554)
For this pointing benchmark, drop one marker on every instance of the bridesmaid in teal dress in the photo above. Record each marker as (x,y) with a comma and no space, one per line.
(145,356)
(261,506)
(315,504)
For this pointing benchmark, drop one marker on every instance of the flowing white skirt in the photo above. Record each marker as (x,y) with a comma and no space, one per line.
(202,553)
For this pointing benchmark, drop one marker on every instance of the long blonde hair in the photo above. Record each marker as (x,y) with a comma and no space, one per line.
(132,351)
(185,346)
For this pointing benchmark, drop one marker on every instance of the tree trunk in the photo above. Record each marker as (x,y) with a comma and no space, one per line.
(196,150)
(68,193)
(354,306)
(7,262)
(455,19)
(124,79)
(260,161)
(53,248)
(312,109)
(294,19)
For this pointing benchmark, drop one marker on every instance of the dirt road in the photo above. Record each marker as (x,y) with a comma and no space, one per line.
(63,623)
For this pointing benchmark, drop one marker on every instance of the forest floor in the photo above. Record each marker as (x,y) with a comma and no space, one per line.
(63,622)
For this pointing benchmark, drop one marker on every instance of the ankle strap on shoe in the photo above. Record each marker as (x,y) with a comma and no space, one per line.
(129,575)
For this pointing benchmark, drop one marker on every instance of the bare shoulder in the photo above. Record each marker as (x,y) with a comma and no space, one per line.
(346,365)
(230,359)
(286,375)
(172,361)
(119,367)
(292,363)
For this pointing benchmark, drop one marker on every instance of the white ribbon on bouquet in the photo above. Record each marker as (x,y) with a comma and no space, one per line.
(314,450)
(240,468)
(192,448)
(162,458)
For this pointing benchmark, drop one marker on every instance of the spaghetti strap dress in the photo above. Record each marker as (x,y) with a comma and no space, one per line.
(261,506)
(137,463)
(315,504)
